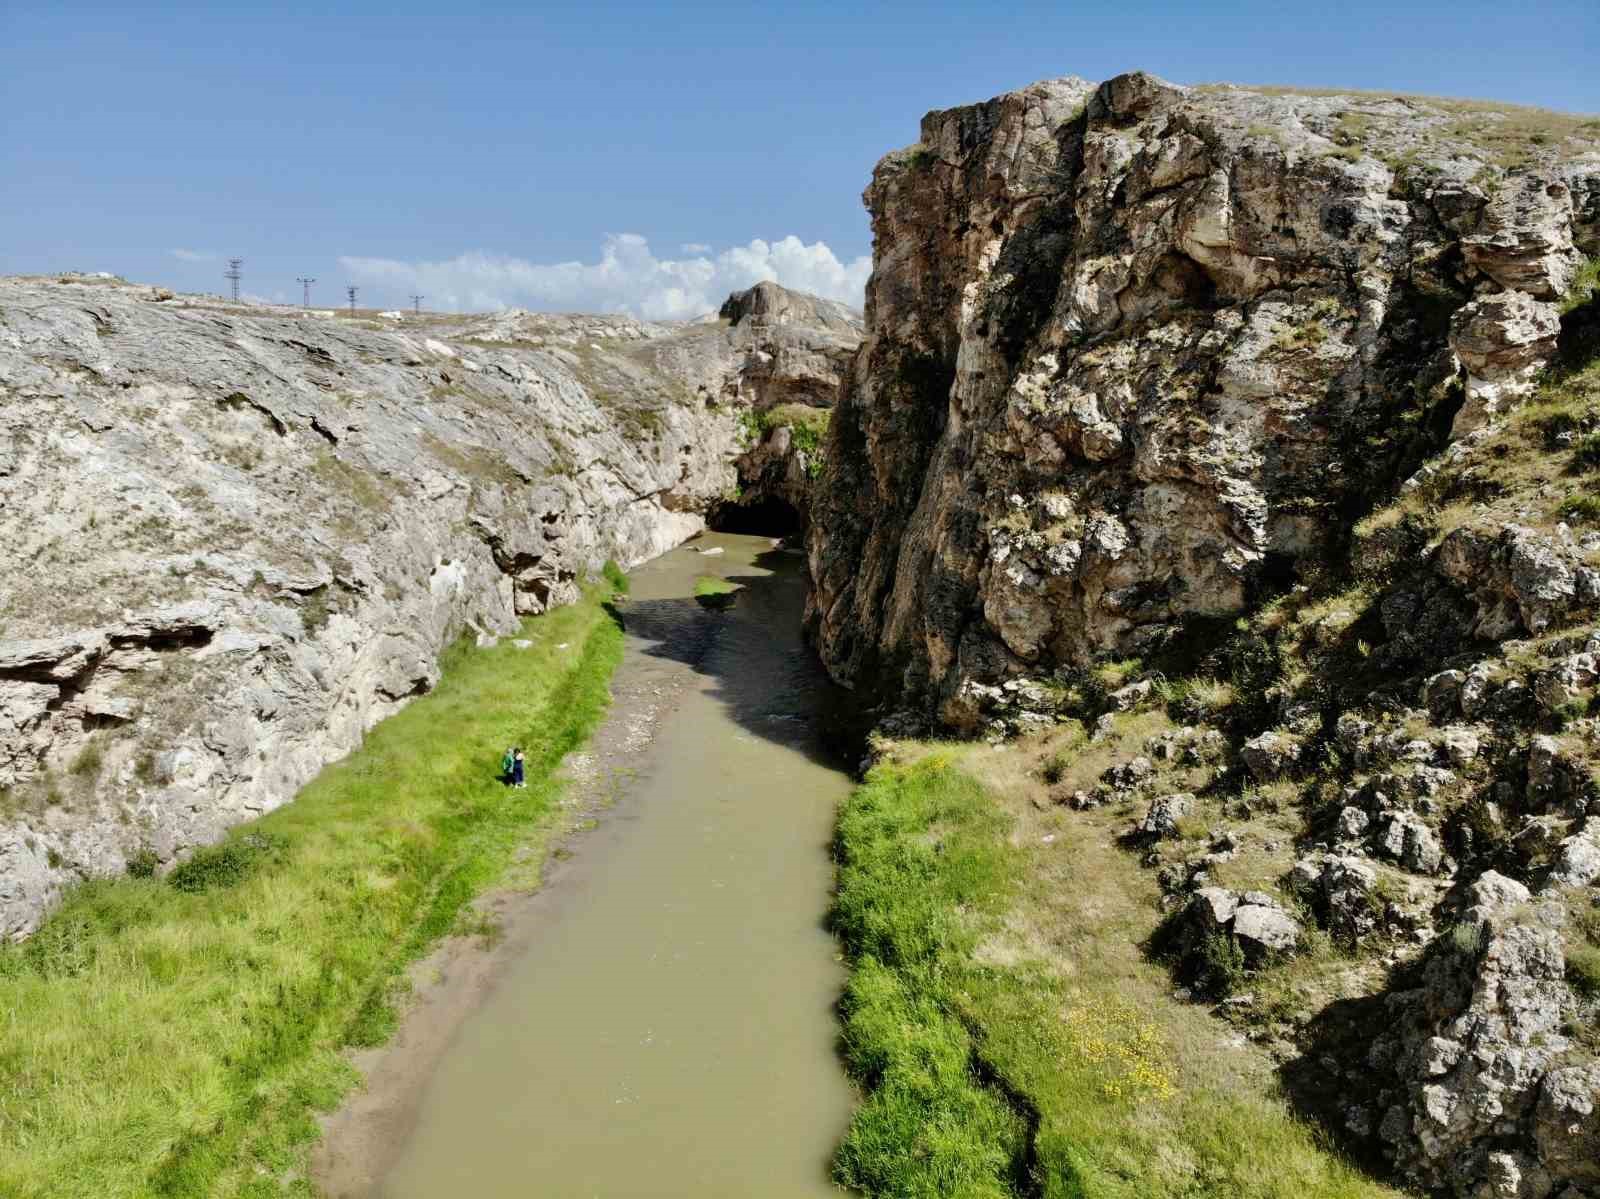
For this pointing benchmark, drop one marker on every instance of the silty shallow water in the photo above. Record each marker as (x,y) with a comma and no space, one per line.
(669,1029)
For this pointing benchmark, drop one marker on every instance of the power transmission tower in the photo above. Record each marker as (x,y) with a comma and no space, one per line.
(416,304)
(351,292)
(305,291)
(232,275)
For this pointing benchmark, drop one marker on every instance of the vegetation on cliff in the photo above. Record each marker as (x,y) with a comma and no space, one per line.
(175,1036)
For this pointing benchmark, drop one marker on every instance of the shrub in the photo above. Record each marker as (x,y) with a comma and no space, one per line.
(614,576)
(1221,965)
(1585,286)
(225,864)
(1467,939)
(1581,506)
(1251,663)
(1583,970)
(1197,700)
(143,864)
(1586,453)
(89,761)
(316,611)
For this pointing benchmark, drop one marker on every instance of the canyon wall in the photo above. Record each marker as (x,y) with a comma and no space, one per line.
(234,538)
(1134,351)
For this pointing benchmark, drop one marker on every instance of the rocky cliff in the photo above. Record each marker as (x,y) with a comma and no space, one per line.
(797,352)
(234,538)
(1240,450)
(1134,351)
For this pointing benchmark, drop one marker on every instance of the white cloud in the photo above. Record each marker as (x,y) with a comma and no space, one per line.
(627,278)
(193,256)
(695,247)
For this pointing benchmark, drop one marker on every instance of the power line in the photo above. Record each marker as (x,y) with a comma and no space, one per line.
(305,291)
(416,304)
(232,275)
(351,292)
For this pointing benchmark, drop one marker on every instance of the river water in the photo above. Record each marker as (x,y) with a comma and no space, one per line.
(669,1029)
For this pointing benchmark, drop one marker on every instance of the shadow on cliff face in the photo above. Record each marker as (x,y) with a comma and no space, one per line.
(767,678)
(1331,1085)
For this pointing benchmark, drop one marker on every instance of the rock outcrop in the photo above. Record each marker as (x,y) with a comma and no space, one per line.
(1186,426)
(1474,1053)
(1134,350)
(235,538)
(797,350)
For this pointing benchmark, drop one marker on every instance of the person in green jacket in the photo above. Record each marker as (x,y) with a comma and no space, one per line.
(508,767)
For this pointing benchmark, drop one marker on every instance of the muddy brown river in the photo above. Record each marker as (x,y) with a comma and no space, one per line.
(666,1028)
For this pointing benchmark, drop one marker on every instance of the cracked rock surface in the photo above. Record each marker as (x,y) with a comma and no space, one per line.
(233,539)
(1134,348)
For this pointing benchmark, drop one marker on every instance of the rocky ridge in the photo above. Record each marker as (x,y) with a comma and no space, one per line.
(1244,445)
(235,538)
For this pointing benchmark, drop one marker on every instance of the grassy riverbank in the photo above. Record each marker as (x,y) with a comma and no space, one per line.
(1008,1036)
(174,1037)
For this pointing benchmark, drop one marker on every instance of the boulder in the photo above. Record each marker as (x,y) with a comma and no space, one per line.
(1577,861)
(1125,699)
(1255,921)
(1341,890)
(1406,839)
(1461,745)
(1556,779)
(1469,1048)
(1126,775)
(1519,579)
(1271,755)
(1265,929)
(1441,693)
(1503,341)
(1161,820)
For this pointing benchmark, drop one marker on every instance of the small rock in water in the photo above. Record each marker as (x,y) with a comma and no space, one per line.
(716,549)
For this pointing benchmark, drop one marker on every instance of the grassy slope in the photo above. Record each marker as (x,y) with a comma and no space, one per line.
(162,1042)
(1008,1036)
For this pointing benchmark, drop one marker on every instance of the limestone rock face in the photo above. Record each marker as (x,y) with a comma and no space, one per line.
(796,352)
(799,345)
(768,345)
(1476,1049)
(232,539)
(1133,348)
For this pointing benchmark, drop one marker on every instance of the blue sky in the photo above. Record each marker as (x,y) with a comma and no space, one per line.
(659,152)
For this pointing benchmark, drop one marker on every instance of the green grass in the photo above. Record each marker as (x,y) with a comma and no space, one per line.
(1058,1070)
(1585,286)
(708,585)
(715,593)
(174,1037)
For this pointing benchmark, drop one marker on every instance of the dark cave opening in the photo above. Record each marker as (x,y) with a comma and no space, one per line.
(768,516)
